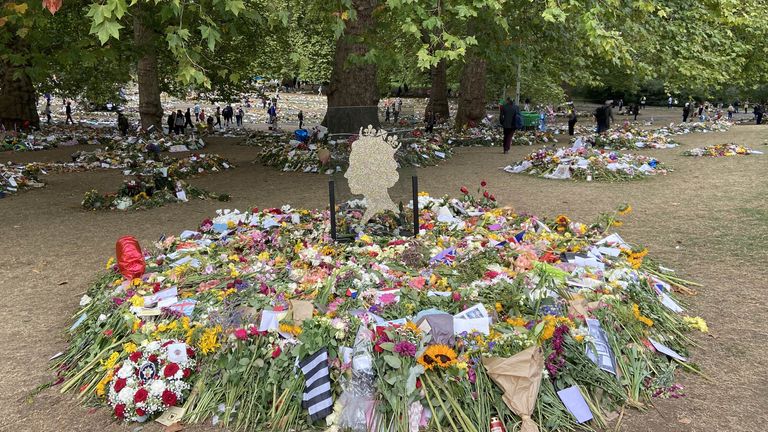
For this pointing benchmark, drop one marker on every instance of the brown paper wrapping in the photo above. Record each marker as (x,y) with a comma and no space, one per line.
(520,378)
(302,310)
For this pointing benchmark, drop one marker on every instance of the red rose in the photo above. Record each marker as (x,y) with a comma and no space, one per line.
(486,194)
(135,356)
(170,370)
(418,383)
(168,343)
(153,358)
(169,398)
(140,395)
(119,384)
(483,184)
(464,190)
(276,353)
(493,198)
(140,412)
(190,352)
(241,334)
(187,373)
(108,333)
(120,411)
(377,348)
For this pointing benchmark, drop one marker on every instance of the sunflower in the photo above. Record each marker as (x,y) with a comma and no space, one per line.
(437,355)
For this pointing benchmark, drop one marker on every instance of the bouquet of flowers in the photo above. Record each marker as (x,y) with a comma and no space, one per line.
(721,150)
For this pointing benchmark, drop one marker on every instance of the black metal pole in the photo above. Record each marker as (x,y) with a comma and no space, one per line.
(415,186)
(332,208)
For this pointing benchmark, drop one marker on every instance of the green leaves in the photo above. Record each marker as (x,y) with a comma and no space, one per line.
(210,35)
(234,6)
(393,361)
(105,18)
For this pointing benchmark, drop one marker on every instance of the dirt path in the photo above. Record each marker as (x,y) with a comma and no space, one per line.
(708,219)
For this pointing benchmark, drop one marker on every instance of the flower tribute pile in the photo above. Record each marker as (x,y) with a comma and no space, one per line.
(16,177)
(259,321)
(721,150)
(582,163)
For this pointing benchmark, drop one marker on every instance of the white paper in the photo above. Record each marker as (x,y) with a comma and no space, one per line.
(476,311)
(614,239)
(672,305)
(181,195)
(151,300)
(575,404)
(270,320)
(599,351)
(164,303)
(269,223)
(469,325)
(177,352)
(660,347)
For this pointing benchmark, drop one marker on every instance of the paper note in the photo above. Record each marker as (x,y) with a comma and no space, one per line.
(78,322)
(600,351)
(575,403)
(476,311)
(177,352)
(151,300)
(171,415)
(181,195)
(672,305)
(270,320)
(471,325)
(660,347)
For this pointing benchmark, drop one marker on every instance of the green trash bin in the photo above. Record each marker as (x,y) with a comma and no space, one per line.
(530,119)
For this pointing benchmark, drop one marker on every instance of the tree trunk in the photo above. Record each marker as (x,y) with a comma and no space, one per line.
(438,93)
(353,96)
(144,37)
(18,101)
(471,92)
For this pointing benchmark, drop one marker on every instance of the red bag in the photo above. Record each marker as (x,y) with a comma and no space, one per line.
(130,260)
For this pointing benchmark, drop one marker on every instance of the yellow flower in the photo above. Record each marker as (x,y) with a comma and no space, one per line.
(210,340)
(101,387)
(423,194)
(185,323)
(365,238)
(111,361)
(617,223)
(298,248)
(130,347)
(136,325)
(234,257)
(231,224)
(498,306)
(636,312)
(696,323)
(626,210)
(412,327)
(291,329)
(136,282)
(462,365)
(578,338)
(437,356)
(517,322)
(110,263)
(137,300)
(264,256)
(233,273)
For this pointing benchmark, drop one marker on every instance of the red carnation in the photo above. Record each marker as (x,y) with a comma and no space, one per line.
(486,194)
(187,373)
(169,398)
(119,384)
(464,190)
(120,411)
(493,198)
(190,352)
(152,358)
(140,412)
(483,183)
(108,333)
(276,353)
(135,356)
(140,395)
(170,370)
(241,334)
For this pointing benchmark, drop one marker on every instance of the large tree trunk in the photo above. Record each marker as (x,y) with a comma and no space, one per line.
(144,37)
(353,96)
(471,92)
(18,101)
(438,93)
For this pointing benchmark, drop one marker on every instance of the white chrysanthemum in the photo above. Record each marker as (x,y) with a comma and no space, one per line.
(153,346)
(157,388)
(126,395)
(84,300)
(125,371)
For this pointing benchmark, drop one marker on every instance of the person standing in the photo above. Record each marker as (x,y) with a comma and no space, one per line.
(635,112)
(669,103)
(527,106)
(202,115)
(68,110)
(218,116)
(510,120)
(642,102)
(188,119)
(180,122)
(171,122)
(197,113)
(239,116)
(758,111)
(386,113)
(48,111)
(572,119)
(746,107)
(122,123)
(731,110)
(301,119)
(430,120)
(395,113)
(686,112)
(701,112)
(320,90)
(272,111)
(209,122)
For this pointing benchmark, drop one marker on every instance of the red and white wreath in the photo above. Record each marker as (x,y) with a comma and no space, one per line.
(151,380)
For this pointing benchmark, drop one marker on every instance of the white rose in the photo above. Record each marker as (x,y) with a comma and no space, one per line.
(157,388)
(102,318)
(126,395)
(125,371)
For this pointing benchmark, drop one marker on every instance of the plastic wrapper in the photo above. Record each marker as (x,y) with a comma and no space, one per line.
(130,259)
(359,394)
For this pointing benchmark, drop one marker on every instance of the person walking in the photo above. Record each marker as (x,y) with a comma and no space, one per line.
(197,113)
(758,111)
(669,102)
(209,122)
(430,121)
(272,111)
(68,110)
(202,115)
(48,111)
(746,107)
(301,119)
(188,119)
(686,112)
(218,116)
(642,102)
(180,122)
(510,120)
(572,119)
(387,112)
(320,90)
(239,116)
(731,110)
(635,112)
(701,112)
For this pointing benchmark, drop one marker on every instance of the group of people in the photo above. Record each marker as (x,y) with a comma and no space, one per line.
(178,121)
(392,110)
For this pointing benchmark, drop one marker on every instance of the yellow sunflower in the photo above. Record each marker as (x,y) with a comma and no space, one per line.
(437,355)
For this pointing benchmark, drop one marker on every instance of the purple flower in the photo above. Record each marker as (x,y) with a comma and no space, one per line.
(405,349)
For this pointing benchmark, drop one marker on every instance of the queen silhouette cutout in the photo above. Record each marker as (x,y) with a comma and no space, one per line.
(373,170)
